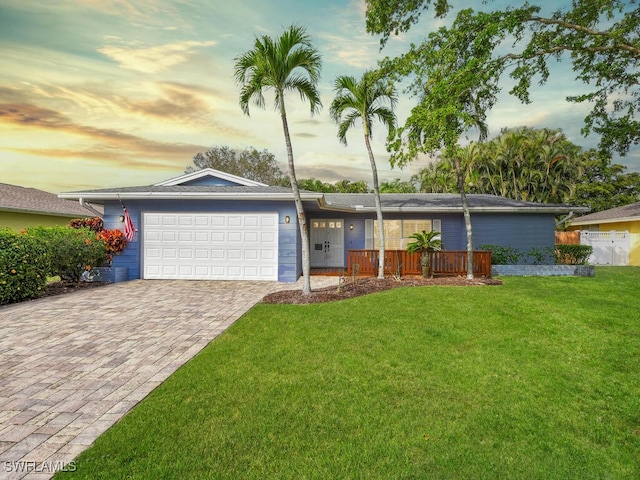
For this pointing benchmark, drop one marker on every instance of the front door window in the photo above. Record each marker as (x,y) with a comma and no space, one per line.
(327,243)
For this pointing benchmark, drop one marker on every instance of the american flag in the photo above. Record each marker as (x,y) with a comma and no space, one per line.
(129,229)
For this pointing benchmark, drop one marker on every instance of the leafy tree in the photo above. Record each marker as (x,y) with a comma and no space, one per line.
(365,100)
(425,242)
(527,164)
(452,100)
(347,186)
(538,165)
(397,186)
(341,186)
(315,185)
(601,39)
(260,166)
(290,63)
(605,185)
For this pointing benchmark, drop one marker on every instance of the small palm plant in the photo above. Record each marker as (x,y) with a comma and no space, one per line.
(424,243)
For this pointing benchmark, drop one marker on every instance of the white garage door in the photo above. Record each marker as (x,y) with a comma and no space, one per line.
(220,246)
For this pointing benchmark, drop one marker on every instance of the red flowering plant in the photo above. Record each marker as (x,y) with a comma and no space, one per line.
(94,223)
(114,240)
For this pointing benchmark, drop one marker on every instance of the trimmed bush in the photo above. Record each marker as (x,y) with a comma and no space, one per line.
(501,255)
(573,254)
(23,267)
(542,256)
(71,251)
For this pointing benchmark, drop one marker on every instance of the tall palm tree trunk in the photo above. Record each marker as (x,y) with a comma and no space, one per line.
(467,218)
(302,219)
(376,194)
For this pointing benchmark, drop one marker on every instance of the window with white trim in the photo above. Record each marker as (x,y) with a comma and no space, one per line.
(397,233)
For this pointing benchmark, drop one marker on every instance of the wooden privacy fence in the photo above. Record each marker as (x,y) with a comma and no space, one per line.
(401,262)
(568,238)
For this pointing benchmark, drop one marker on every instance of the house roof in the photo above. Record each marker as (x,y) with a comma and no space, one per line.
(14,198)
(192,192)
(439,202)
(208,187)
(211,172)
(179,188)
(625,213)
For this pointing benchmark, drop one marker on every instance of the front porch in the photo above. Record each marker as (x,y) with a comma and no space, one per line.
(400,262)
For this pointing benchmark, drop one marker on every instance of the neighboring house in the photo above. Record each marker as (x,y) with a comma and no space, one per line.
(619,248)
(22,207)
(212,225)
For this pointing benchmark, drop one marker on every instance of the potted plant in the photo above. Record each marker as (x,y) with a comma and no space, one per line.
(425,242)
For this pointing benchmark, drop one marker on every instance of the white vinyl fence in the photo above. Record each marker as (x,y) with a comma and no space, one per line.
(609,248)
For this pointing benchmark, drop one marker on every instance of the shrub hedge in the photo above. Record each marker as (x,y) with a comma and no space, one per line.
(71,251)
(502,255)
(573,254)
(561,254)
(24,264)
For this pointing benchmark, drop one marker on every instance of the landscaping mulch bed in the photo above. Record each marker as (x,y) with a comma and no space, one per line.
(351,287)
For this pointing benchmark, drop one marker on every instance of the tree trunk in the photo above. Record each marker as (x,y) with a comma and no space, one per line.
(376,194)
(467,218)
(302,219)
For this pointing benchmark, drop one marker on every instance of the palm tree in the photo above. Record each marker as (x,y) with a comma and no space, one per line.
(365,100)
(425,243)
(289,64)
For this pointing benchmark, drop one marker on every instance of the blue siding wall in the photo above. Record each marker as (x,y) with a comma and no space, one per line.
(209,180)
(521,231)
(453,233)
(518,231)
(288,238)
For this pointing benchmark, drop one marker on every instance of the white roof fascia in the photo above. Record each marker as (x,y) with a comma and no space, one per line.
(471,209)
(209,172)
(188,195)
(608,220)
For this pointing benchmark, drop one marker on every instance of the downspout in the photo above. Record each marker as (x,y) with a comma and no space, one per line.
(90,208)
(565,219)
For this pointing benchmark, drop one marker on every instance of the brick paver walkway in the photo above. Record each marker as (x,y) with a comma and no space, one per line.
(72,365)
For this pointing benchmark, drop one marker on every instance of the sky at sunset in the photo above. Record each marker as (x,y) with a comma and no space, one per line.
(105,93)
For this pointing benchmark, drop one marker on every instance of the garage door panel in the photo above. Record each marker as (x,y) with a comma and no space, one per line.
(267,255)
(218,237)
(210,246)
(218,221)
(251,237)
(186,254)
(235,221)
(268,238)
(152,236)
(202,254)
(169,220)
(234,237)
(202,237)
(252,221)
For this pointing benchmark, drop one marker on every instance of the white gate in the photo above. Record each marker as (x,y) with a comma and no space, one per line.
(609,248)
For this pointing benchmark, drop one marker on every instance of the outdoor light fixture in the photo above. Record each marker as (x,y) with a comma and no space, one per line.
(287,219)
(351,227)
(121,218)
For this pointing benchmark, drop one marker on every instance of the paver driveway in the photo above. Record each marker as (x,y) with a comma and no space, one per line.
(72,365)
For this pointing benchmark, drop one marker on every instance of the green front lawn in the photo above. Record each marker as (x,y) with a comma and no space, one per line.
(537,379)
